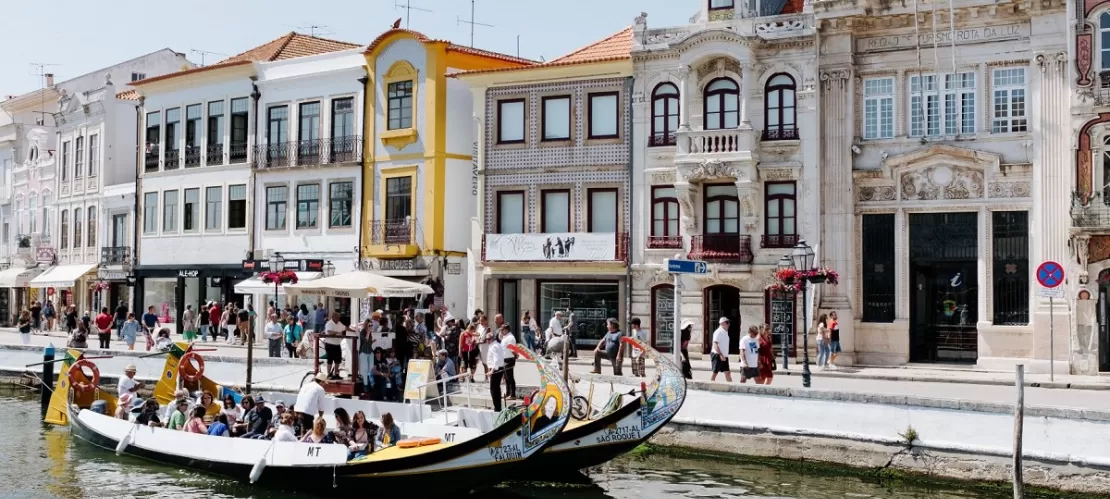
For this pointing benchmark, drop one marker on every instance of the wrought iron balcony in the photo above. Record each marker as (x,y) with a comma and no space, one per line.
(115,256)
(1102,88)
(778,240)
(1090,211)
(192,156)
(237,153)
(781,134)
(312,152)
(662,139)
(722,248)
(664,242)
(215,155)
(150,159)
(388,232)
(173,159)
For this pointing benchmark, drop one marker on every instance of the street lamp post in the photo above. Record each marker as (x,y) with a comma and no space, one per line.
(803,260)
(785,263)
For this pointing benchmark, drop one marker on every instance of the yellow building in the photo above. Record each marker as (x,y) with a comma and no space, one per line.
(419,182)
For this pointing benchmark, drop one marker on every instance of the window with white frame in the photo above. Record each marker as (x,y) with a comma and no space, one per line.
(32,215)
(1008,105)
(79,157)
(213,208)
(150,213)
(192,210)
(94,154)
(169,211)
(308,205)
(46,214)
(237,206)
(878,108)
(77,225)
(277,205)
(949,111)
(91,232)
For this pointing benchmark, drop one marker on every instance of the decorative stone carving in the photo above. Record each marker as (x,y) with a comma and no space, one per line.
(685,194)
(868,194)
(1099,249)
(1054,61)
(748,194)
(641,20)
(720,15)
(1083,171)
(662,178)
(1082,252)
(707,170)
(666,36)
(774,174)
(1018,189)
(942,182)
(835,76)
(1083,59)
(650,276)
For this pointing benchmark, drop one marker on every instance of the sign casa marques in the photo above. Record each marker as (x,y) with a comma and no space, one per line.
(963,36)
(555,247)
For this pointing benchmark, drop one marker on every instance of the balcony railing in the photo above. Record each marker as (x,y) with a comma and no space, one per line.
(715,142)
(237,153)
(308,152)
(778,240)
(780,134)
(215,155)
(723,248)
(1102,88)
(665,242)
(555,247)
(173,159)
(192,156)
(662,139)
(387,232)
(115,255)
(150,160)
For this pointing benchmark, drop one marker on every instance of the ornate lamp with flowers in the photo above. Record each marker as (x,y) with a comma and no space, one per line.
(795,272)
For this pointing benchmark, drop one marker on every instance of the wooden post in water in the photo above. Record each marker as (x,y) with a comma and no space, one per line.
(47,388)
(566,358)
(1019,419)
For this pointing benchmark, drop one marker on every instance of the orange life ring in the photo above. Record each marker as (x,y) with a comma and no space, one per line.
(78,368)
(185,366)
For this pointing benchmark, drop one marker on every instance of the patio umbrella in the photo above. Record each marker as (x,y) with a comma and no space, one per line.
(359,284)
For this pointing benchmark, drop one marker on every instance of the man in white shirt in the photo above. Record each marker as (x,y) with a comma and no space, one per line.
(507,339)
(128,384)
(749,355)
(310,400)
(554,330)
(275,333)
(639,363)
(718,354)
(495,361)
(333,344)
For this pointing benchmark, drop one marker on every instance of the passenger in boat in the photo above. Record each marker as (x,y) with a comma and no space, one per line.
(496,362)
(178,418)
(219,427)
(207,401)
(149,415)
(284,431)
(279,410)
(231,411)
(130,331)
(258,420)
(389,434)
(123,408)
(319,433)
(310,400)
(180,395)
(507,340)
(196,423)
(128,384)
(362,438)
(246,405)
(343,429)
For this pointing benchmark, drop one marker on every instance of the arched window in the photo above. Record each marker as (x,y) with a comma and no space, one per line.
(31,212)
(46,213)
(77,228)
(780,115)
(91,236)
(722,104)
(722,209)
(664,115)
(65,229)
(664,218)
(662,317)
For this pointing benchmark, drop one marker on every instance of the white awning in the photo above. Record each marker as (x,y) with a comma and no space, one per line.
(18,277)
(255,286)
(62,276)
(360,284)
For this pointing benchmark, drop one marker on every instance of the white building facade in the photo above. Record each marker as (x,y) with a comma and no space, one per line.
(308,165)
(942,145)
(725,164)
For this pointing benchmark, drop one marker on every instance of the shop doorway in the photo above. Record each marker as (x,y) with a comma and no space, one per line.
(944,287)
(510,305)
(1103,323)
(722,301)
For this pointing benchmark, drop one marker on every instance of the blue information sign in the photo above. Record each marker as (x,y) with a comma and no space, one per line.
(676,266)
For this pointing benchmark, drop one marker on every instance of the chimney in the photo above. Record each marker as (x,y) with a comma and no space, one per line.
(49,79)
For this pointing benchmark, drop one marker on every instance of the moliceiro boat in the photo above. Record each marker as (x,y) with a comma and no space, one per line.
(459,460)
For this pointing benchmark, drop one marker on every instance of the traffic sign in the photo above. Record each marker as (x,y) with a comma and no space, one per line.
(1050,274)
(1043,292)
(676,266)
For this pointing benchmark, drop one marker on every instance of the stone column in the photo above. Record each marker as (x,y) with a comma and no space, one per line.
(1052,185)
(835,248)
(683,75)
(746,83)
(901,267)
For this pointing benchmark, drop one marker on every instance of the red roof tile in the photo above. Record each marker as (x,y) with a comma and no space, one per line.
(615,47)
(129,94)
(287,46)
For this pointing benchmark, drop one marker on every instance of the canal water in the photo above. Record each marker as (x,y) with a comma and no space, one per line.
(40,461)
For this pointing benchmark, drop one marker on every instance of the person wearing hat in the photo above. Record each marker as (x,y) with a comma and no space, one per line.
(123,408)
(684,338)
(128,384)
(310,400)
(718,354)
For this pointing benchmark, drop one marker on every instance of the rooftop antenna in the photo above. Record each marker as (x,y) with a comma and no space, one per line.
(203,53)
(43,75)
(315,29)
(471,22)
(408,10)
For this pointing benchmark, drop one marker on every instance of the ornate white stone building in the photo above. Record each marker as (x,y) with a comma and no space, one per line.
(725,161)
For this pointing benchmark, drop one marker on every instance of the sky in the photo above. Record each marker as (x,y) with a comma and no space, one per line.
(77,37)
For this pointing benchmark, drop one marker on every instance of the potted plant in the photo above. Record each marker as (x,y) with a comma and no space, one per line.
(24,240)
(787,276)
(284,277)
(823,274)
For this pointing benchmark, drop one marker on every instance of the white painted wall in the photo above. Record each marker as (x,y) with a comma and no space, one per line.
(410,50)
(323,239)
(222,246)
